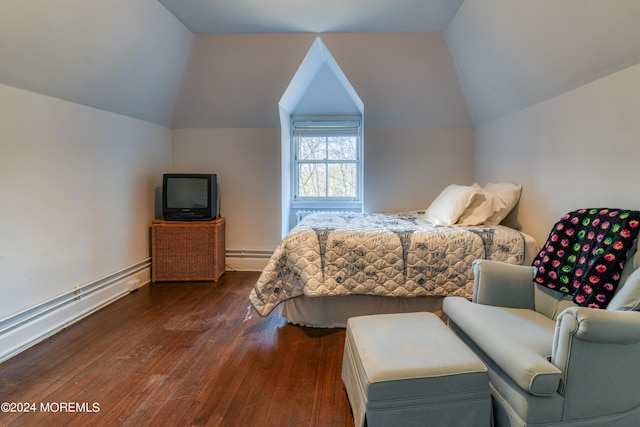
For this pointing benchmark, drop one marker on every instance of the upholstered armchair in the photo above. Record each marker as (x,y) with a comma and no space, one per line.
(550,360)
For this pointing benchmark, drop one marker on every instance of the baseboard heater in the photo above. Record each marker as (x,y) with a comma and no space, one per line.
(28,327)
(302,213)
(248,253)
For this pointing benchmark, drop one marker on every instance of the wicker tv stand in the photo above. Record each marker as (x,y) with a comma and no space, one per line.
(187,250)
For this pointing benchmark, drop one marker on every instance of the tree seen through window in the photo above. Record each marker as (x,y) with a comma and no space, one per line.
(327,165)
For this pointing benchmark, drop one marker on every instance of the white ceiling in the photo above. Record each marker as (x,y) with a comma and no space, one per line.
(251,16)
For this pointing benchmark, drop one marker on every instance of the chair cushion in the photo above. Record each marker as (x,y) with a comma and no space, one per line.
(517,340)
(549,302)
(628,297)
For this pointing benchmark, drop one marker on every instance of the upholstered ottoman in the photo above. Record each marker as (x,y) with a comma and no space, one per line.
(409,369)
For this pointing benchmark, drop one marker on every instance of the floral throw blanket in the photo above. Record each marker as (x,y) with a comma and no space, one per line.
(585,253)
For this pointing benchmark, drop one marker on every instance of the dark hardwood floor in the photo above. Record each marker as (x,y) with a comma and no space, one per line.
(180,354)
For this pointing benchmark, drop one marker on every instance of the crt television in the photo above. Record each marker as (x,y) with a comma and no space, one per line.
(189,197)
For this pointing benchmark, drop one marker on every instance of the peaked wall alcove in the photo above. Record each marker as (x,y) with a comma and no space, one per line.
(418,133)
(318,88)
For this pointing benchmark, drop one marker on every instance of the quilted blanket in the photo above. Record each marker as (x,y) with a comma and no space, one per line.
(398,255)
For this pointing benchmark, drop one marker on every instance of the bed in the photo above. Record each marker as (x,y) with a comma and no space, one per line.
(335,265)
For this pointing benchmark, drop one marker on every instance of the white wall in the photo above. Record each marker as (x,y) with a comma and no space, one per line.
(247,162)
(77,194)
(418,132)
(576,150)
(404,170)
(77,172)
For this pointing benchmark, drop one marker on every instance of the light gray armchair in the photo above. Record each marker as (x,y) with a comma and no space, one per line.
(551,362)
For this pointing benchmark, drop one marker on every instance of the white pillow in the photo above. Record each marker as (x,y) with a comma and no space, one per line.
(509,194)
(484,205)
(450,204)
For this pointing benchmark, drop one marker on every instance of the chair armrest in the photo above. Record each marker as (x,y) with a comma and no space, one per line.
(597,326)
(596,352)
(502,284)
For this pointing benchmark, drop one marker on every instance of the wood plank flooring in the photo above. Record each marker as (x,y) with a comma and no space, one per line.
(180,354)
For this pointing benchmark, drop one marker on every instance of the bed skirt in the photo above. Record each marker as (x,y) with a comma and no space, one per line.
(333,312)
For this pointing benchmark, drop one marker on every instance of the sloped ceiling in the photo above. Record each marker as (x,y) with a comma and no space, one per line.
(121,56)
(513,54)
(406,80)
(508,54)
(129,57)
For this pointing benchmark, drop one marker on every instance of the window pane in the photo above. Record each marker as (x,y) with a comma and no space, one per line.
(342,147)
(312,180)
(327,160)
(342,180)
(312,148)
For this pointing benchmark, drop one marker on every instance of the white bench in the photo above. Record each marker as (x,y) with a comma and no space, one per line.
(409,369)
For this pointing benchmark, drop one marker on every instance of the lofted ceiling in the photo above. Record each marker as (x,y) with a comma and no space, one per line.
(137,58)
(312,16)
(508,54)
(513,54)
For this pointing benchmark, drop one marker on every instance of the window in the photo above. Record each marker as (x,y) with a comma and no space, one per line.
(327,166)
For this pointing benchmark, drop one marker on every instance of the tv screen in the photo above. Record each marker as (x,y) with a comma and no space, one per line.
(189,197)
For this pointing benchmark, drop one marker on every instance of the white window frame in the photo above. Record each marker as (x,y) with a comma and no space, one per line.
(347,203)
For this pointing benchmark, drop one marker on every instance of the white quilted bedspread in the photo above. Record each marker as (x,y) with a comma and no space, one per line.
(399,255)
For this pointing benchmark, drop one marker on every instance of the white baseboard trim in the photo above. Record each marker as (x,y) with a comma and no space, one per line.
(247,259)
(22,330)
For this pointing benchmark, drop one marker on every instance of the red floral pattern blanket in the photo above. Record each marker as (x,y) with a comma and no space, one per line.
(585,253)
